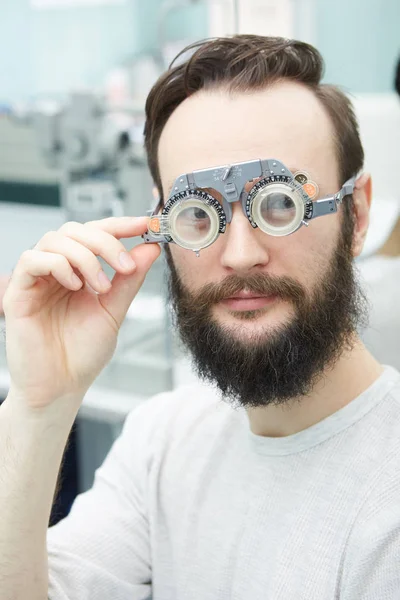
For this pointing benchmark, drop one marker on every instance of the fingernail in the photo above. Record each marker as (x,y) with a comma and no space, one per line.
(126,260)
(103,279)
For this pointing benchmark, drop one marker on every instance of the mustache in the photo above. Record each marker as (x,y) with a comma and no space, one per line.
(261,284)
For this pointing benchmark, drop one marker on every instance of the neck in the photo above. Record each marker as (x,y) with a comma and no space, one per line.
(353,373)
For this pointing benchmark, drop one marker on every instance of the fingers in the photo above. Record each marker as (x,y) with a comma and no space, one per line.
(76,246)
(124,288)
(33,264)
(120,227)
(81,245)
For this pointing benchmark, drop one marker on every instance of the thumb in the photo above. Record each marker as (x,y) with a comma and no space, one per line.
(125,287)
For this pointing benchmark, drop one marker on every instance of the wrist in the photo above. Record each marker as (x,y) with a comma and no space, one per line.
(38,414)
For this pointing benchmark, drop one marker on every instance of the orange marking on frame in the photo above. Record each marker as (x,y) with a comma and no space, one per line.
(310,189)
(154,225)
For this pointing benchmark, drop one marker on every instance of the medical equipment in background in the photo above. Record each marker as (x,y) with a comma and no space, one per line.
(95,139)
(92,146)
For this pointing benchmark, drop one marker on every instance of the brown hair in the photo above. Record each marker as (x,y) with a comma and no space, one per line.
(250,62)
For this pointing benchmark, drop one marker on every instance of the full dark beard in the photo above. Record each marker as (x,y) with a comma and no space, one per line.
(278,366)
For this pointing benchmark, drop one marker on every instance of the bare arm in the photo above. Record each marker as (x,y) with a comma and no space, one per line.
(62,321)
(31,450)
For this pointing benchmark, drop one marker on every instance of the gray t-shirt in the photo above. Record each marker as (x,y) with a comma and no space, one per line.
(380,277)
(191,505)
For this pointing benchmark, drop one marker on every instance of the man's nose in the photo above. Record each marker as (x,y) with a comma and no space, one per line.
(245,248)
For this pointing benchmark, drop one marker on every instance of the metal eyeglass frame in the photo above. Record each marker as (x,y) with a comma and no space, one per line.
(230,181)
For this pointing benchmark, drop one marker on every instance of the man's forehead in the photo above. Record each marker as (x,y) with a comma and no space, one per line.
(212,129)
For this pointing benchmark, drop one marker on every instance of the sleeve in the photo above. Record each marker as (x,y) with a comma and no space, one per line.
(371,569)
(102,549)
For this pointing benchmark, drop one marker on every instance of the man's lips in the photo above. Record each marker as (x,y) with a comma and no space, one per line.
(247,301)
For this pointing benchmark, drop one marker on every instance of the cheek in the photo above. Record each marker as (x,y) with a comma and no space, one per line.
(323,237)
(306,255)
(196,272)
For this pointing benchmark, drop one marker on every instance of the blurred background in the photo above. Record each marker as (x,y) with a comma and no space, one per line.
(74,76)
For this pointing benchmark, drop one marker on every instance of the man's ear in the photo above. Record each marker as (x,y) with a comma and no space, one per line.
(362,197)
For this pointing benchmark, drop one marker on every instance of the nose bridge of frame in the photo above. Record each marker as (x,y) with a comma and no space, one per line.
(227,201)
(242,197)
(229,181)
(227,206)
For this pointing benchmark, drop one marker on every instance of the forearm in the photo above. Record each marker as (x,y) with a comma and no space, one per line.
(31,450)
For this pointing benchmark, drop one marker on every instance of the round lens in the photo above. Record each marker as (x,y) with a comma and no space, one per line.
(277,209)
(194,224)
